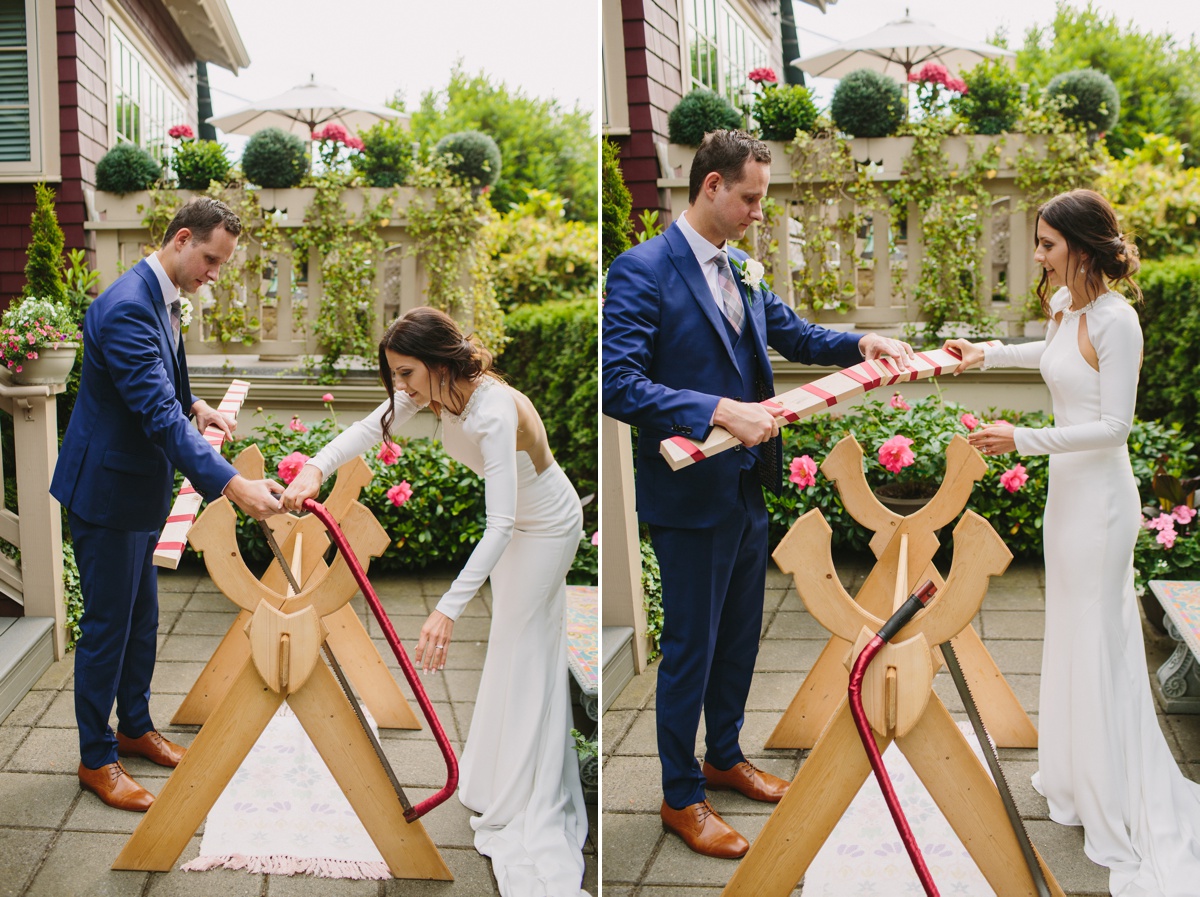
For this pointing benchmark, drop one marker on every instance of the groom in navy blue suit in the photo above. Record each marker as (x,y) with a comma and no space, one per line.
(685,342)
(128,433)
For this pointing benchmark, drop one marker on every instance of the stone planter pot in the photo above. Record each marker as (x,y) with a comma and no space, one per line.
(901,500)
(53,365)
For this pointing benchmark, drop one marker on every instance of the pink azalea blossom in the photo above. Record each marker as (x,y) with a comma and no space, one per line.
(596,537)
(1166,538)
(332,131)
(328,397)
(970,421)
(763,76)
(389,452)
(354,143)
(803,472)
(1161,522)
(290,466)
(1014,479)
(895,454)
(184,132)
(297,426)
(400,493)
(898,402)
(1183,514)
(933,72)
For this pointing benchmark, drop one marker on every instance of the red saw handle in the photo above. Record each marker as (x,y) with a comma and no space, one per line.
(410,672)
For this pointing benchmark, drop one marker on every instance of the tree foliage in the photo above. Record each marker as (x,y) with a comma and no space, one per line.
(1154,74)
(541,145)
(617,204)
(44,265)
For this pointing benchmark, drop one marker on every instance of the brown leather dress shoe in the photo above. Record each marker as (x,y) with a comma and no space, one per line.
(153,747)
(748,780)
(113,785)
(704,831)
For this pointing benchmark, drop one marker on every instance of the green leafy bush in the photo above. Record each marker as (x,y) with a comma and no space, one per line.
(1089,98)
(698,113)
(386,156)
(867,103)
(1169,385)
(475,156)
(45,268)
(782,111)
(992,103)
(1156,197)
(127,168)
(616,204)
(273,158)
(541,256)
(552,358)
(197,163)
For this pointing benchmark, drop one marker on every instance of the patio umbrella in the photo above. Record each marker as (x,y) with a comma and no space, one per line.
(302,109)
(896,49)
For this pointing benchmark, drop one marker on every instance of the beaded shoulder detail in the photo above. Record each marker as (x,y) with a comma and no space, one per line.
(1071,313)
(484,383)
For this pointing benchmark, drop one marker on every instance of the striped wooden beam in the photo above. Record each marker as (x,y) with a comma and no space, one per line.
(173,538)
(805,401)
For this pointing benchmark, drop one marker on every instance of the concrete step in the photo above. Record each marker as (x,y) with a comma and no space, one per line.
(616,649)
(26,651)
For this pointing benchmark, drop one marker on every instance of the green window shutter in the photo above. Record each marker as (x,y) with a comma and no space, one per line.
(15,143)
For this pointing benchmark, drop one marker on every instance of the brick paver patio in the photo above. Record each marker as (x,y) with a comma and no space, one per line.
(640,860)
(58,841)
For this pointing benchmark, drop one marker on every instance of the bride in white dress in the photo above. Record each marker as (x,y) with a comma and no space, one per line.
(1103,761)
(519,770)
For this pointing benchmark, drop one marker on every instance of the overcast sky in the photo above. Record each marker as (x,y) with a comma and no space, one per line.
(976,20)
(369,49)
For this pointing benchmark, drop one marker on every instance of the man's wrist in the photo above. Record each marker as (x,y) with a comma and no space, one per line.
(862,345)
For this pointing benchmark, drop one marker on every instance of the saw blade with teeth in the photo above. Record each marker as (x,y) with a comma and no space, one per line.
(341,678)
(993,762)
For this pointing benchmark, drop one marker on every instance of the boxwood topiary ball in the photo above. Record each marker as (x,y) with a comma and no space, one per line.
(867,103)
(475,156)
(782,111)
(1089,98)
(127,168)
(698,113)
(274,158)
(198,163)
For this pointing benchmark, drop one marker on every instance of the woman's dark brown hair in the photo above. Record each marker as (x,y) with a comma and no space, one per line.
(432,337)
(1094,242)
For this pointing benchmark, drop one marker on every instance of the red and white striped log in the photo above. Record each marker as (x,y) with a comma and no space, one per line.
(805,401)
(173,538)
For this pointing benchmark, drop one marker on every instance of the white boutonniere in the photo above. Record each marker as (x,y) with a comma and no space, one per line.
(752,272)
(185,312)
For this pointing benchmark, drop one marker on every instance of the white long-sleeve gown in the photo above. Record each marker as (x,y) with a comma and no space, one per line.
(519,770)
(1103,761)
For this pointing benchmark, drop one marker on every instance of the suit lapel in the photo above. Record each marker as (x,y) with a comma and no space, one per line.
(685,262)
(164,320)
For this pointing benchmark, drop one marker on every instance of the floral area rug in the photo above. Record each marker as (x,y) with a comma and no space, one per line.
(283,813)
(582,644)
(864,854)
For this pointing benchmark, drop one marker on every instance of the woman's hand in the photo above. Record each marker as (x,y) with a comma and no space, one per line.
(994,439)
(971,354)
(434,642)
(306,485)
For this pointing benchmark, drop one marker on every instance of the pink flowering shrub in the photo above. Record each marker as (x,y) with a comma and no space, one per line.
(1015,478)
(970,421)
(182,132)
(763,76)
(290,466)
(400,493)
(897,402)
(389,452)
(895,454)
(297,425)
(803,472)
(33,324)
(935,87)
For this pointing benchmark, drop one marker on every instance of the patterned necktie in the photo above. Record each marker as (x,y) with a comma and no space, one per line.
(731,299)
(176,320)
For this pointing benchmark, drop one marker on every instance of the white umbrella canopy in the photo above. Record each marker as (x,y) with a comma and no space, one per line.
(302,110)
(896,49)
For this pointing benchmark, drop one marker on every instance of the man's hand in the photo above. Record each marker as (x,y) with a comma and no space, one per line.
(208,416)
(255,497)
(306,485)
(875,346)
(750,422)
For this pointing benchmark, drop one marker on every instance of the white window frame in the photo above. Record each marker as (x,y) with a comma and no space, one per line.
(612,53)
(45,161)
(751,53)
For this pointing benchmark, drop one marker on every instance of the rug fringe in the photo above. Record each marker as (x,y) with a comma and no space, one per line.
(277,864)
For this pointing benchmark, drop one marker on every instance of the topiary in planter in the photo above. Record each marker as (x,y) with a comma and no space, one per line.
(127,168)
(698,113)
(782,111)
(273,158)
(476,156)
(1089,99)
(386,156)
(993,99)
(197,163)
(868,104)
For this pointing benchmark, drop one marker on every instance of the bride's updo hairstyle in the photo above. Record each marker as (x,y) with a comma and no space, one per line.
(432,337)
(1094,242)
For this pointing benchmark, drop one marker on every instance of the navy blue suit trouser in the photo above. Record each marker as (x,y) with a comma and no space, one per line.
(114,659)
(712,593)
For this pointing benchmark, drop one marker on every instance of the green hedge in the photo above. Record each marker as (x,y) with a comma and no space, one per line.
(1169,386)
(552,358)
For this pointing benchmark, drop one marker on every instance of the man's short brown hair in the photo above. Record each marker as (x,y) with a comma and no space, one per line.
(201,215)
(724,152)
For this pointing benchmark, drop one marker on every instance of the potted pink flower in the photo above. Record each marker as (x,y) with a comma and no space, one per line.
(38,341)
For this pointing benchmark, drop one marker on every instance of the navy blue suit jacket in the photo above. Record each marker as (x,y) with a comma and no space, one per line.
(129,429)
(668,360)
